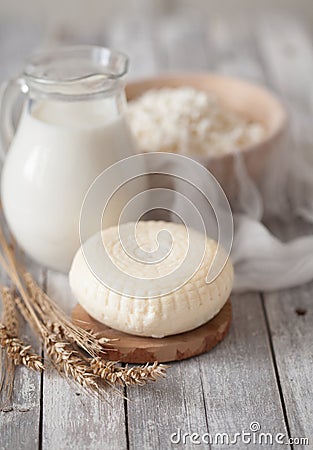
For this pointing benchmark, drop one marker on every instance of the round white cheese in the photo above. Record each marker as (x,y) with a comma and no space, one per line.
(137,280)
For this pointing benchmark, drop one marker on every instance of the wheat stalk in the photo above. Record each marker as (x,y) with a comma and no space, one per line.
(26,314)
(7,369)
(66,361)
(15,352)
(126,376)
(61,353)
(58,321)
(9,313)
(75,352)
(18,352)
(70,362)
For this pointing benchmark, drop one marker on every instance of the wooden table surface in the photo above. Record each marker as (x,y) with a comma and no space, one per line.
(262,372)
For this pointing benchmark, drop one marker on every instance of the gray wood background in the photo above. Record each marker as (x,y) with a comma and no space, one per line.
(263,370)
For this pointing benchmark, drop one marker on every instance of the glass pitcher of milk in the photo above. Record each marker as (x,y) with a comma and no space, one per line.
(71,128)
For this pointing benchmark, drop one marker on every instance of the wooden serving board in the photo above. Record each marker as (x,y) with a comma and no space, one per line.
(136,349)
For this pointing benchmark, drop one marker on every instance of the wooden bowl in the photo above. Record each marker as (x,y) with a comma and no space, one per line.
(249,100)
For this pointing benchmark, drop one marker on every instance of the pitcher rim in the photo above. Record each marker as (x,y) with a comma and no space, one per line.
(41,58)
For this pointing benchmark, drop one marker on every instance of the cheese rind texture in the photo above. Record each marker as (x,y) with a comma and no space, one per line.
(190,305)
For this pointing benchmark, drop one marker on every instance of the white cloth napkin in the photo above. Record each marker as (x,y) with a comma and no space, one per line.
(264,263)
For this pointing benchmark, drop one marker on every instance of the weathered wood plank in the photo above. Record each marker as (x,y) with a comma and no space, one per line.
(238,376)
(286,48)
(72,419)
(156,411)
(19,426)
(20,419)
(181,42)
(290,316)
(151,408)
(17,40)
(89,423)
(235,393)
(233,48)
(232,402)
(236,380)
(134,35)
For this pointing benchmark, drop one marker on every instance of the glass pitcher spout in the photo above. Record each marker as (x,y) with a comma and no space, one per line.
(76,72)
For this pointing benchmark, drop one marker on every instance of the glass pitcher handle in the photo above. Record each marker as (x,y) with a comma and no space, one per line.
(9,92)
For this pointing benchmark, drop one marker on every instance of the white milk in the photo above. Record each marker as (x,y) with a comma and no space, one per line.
(57,152)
